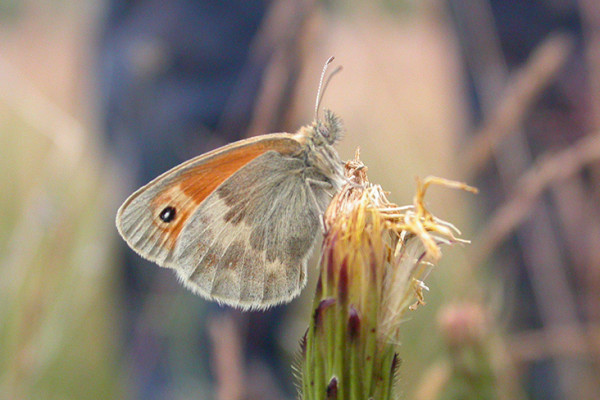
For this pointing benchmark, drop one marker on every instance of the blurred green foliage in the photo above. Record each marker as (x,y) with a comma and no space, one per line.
(57,305)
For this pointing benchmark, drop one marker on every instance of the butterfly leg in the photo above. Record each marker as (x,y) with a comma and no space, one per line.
(324,186)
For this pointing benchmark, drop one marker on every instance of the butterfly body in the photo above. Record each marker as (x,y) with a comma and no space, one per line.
(239,223)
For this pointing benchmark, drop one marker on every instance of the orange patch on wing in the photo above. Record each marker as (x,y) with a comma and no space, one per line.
(201,180)
(202,176)
(184,207)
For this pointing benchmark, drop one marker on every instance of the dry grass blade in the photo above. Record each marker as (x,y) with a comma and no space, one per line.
(227,359)
(548,170)
(563,341)
(590,18)
(522,90)
(66,133)
(278,46)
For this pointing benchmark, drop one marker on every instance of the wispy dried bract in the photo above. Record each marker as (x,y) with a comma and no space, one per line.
(405,241)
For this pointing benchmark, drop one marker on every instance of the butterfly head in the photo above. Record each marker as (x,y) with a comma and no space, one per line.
(329,130)
(319,139)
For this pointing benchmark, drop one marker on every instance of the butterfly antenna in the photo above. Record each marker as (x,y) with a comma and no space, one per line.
(322,86)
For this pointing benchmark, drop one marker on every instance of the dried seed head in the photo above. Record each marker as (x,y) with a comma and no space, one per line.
(376,256)
(389,249)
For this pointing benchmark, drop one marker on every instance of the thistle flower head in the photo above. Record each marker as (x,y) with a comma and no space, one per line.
(385,248)
(375,258)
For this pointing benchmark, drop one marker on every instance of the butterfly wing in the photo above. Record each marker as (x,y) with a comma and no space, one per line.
(147,223)
(248,243)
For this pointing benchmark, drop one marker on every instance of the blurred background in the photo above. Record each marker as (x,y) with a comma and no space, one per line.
(99,97)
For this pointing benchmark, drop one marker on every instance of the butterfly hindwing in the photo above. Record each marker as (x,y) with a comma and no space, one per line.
(248,242)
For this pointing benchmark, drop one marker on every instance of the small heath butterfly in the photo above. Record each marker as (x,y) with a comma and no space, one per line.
(238,224)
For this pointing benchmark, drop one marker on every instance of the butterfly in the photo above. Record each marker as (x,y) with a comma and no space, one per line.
(239,223)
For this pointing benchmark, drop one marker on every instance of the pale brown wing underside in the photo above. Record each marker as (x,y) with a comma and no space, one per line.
(184,188)
(248,243)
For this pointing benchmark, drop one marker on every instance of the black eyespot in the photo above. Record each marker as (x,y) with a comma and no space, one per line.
(167,214)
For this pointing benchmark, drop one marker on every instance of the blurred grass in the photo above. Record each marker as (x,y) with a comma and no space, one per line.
(58,336)
(57,306)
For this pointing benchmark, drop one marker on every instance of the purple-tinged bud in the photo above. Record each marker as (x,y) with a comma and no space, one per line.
(353,323)
(323,305)
(332,389)
(343,283)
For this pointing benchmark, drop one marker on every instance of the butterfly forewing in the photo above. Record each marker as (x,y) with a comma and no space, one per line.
(152,218)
